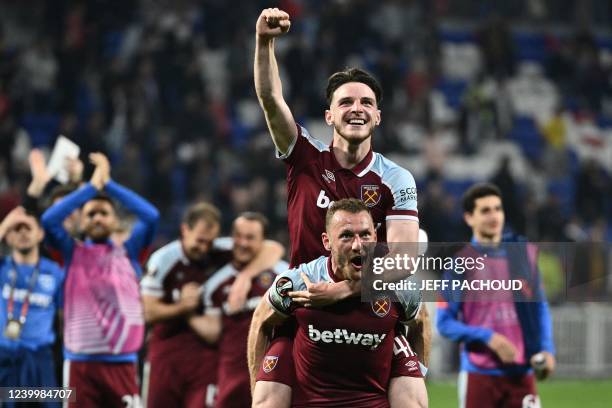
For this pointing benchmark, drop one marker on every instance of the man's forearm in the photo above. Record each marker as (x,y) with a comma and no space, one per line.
(258,340)
(133,202)
(155,310)
(267,78)
(208,327)
(419,335)
(271,253)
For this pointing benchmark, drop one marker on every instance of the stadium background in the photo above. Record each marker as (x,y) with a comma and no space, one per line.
(515,92)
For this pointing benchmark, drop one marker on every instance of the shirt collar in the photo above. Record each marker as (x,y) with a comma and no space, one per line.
(330,271)
(361,169)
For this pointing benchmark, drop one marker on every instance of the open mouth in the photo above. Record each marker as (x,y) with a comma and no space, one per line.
(356,122)
(357,262)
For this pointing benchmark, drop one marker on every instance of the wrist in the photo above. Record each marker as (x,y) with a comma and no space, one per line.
(263,40)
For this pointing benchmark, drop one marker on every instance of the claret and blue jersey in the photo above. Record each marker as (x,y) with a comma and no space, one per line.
(315,179)
(342,352)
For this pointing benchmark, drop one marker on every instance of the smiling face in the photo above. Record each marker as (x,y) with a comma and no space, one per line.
(353,112)
(198,240)
(98,219)
(248,238)
(346,234)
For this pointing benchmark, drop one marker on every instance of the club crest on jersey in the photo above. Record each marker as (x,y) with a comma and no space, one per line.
(265,279)
(269,363)
(47,282)
(283,286)
(370,195)
(381,307)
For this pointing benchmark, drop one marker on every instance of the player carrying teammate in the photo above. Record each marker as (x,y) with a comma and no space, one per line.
(342,352)
(318,174)
(230,330)
(181,369)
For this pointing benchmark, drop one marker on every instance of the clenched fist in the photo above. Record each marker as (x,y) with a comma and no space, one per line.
(271,23)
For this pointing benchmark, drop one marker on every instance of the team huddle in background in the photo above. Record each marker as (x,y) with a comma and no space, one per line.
(225,321)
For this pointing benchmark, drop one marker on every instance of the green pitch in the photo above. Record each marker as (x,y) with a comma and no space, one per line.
(553,394)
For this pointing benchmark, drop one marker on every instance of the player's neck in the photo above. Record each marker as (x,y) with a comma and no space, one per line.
(335,270)
(28,257)
(349,155)
(487,240)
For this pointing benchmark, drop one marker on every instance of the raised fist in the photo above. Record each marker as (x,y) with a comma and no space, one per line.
(272,22)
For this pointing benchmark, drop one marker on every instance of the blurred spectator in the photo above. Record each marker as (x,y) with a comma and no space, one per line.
(497,47)
(592,191)
(503,179)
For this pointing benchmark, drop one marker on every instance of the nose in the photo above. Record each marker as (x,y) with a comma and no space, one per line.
(357,244)
(357,107)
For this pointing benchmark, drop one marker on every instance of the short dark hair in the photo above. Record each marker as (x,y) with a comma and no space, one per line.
(102,196)
(350,205)
(478,191)
(202,211)
(256,216)
(61,191)
(352,75)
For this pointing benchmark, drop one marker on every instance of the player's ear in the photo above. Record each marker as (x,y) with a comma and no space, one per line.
(378,117)
(329,119)
(468,218)
(325,239)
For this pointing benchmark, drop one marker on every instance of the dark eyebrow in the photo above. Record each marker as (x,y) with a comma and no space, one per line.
(345,99)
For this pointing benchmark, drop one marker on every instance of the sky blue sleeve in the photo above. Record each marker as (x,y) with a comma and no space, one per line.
(145,227)
(53,219)
(454,329)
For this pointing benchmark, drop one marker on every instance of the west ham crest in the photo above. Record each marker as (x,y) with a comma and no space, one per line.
(265,279)
(370,195)
(381,307)
(269,363)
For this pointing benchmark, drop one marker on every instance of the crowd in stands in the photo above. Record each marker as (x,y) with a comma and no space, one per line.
(165,89)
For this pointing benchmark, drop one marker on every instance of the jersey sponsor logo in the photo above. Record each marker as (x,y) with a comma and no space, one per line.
(329,177)
(323,201)
(19,295)
(407,194)
(381,307)
(283,286)
(269,363)
(370,195)
(343,336)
